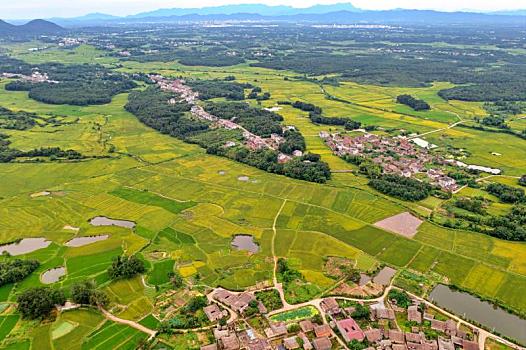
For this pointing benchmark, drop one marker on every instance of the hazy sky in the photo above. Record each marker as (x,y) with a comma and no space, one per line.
(67,8)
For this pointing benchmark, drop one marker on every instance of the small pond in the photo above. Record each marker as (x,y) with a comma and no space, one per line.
(26,245)
(245,242)
(384,276)
(52,275)
(483,312)
(104,221)
(81,241)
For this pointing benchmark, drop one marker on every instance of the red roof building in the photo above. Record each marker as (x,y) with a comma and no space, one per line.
(350,330)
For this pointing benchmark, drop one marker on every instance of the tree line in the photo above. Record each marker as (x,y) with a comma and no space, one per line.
(315,115)
(228,89)
(401,187)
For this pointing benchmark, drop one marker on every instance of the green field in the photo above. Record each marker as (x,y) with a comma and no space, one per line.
(188,205)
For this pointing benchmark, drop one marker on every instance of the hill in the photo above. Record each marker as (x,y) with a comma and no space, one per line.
(34,27)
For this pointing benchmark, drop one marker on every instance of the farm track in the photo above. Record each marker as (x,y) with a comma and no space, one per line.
(132,324)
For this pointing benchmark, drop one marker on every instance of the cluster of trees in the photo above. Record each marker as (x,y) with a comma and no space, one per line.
(512,226)
(415,103)
(270,298)
(16,270)
(77,84)
(294,141)
(522,180)
(504,108)
(495,121)
(365,166)
(401,187)
(286,273)
(39,302)
(189,316)
(86,293)
(315,115)
(124,266)
(228,89)
(19,120)
(402,298)
(474,205)
(309,167)
(507,194)
(151,107)
(256,120)
(255,94)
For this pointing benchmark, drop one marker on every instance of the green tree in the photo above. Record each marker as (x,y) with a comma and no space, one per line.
(37,303)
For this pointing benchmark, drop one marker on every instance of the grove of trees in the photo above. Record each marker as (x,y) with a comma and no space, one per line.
(416,104)
(124,266)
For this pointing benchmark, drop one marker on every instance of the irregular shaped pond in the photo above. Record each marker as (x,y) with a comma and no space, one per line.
(52,275)
(245,242)
(80,241)
(470,307)
(104,221)
(384,276)
(26,245)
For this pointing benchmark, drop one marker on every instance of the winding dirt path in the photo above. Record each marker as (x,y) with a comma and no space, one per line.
(132,324)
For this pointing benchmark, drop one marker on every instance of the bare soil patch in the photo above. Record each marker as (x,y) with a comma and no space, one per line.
(404,224)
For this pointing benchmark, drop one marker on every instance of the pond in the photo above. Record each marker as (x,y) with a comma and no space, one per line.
(384,276)
(81,241)
(26,245)
(52,275)
(245,242)
(104,221)
(483,312)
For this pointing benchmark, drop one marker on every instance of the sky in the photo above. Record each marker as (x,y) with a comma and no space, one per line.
(20,9)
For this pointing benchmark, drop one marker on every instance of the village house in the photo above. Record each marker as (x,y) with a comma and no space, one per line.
(209,347)
(330,306)
(306,326)
(323,343)
(276,330)
(230,342)
(413,315)
(306,342)
(350,330)
(382,313)
(396,336)
(322,331)
(213,312)
(373,335)
(291,343)
(445,344)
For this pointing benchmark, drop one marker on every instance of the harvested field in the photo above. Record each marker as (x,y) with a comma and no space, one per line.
(404,224)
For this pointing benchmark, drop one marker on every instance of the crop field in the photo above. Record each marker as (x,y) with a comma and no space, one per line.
(188,205)
(113,336)
(295,315)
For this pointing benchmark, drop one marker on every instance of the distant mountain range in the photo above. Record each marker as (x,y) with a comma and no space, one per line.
(34,27)
(342,13)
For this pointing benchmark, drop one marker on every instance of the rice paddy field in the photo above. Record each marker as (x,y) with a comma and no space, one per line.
(188,205)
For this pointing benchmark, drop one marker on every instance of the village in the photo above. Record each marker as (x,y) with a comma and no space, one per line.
(252,141)
(337,323)
(401,156)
